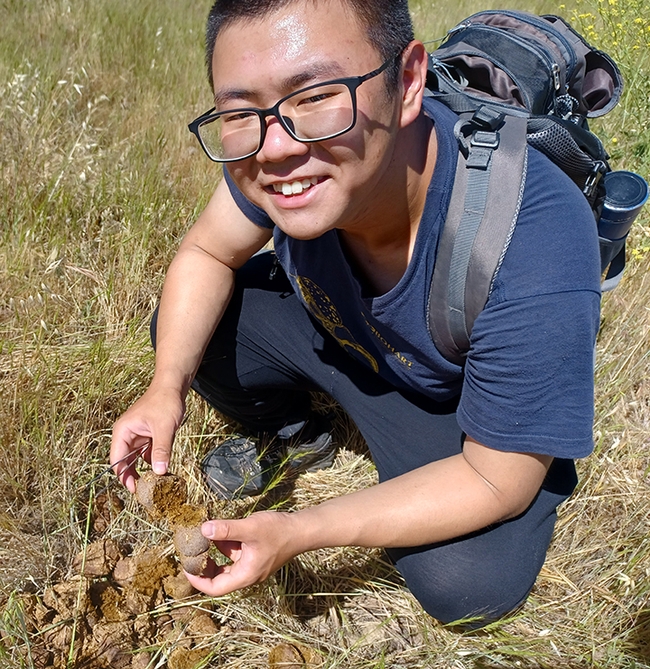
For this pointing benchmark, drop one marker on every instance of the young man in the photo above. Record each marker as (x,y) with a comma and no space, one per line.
(330,148)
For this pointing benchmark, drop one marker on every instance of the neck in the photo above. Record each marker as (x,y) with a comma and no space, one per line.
(381,247)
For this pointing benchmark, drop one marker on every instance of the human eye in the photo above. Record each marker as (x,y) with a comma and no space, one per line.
(318,96)
(240,116)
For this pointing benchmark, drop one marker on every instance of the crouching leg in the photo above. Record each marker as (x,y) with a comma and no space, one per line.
(481,577)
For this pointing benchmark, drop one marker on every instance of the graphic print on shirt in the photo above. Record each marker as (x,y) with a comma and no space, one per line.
(387,345)
(320,305)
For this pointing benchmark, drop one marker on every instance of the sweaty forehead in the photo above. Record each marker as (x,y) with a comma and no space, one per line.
(291,30)
(301,40)
(295,27)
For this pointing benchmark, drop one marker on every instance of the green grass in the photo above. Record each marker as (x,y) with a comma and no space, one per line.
(100,179)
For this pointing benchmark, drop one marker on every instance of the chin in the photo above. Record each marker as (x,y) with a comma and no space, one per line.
(304,231)
(303,235)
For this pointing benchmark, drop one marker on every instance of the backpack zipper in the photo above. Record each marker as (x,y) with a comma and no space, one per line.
(556,76)
(458,28)
(552,67)
(544,27)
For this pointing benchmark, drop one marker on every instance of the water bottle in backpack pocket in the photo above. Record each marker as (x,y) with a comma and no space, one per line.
(625,194)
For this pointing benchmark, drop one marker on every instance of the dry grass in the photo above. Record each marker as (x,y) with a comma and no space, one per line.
(99,181)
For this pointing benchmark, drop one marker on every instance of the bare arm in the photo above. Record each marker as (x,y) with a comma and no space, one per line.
(198,287)
(197,290)
(440,501)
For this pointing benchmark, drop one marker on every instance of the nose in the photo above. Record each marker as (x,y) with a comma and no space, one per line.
(278,144)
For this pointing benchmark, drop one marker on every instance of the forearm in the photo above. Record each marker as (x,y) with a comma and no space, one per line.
(437,502)
(198,287)
(196,292)
(443,500)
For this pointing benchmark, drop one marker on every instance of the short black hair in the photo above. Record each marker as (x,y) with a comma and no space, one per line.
(388,25)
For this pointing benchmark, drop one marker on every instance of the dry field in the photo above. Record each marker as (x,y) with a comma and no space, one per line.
(99,180)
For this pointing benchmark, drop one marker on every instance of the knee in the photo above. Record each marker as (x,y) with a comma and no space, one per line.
(460,593)
(467,606)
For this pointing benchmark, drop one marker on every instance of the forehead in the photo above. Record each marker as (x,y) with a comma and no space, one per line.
(322,37)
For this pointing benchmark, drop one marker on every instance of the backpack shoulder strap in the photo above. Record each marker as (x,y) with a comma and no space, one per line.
(479,225)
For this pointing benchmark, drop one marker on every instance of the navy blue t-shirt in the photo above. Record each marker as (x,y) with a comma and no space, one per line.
(527,384)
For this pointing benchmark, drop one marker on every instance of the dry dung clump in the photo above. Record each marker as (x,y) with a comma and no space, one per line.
(186,658)
(161,496)
(165,497)
(107,506)
(132,611)
(292,656)
(118,619)
(99,559)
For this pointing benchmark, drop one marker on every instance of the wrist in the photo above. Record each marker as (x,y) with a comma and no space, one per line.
(315,527)
(171,381)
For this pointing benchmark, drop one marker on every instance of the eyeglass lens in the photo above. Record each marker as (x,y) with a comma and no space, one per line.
(309,115)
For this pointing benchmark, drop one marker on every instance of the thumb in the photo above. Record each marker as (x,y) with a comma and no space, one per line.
(219,529)
(223,533)
(161,446)
(161,450)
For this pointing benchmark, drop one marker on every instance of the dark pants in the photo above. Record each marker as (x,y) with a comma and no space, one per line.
(268,353)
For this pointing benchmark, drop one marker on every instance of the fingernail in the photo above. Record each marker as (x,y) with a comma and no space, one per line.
(159,467)
(207,529)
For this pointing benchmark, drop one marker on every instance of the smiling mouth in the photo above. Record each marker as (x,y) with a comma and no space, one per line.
(290,188)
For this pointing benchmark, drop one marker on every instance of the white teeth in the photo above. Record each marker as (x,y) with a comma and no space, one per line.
(295,187)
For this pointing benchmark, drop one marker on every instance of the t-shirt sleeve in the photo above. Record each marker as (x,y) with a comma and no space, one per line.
(529,375)
(250,210)
(529,379)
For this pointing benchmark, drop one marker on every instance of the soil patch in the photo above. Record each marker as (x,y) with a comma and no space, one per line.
(106,621)
(115,605)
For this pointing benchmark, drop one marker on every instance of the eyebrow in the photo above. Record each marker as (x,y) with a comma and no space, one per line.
(295,81)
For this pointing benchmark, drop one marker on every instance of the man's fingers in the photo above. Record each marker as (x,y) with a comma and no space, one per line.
(151,421)
(162,448)
(220,580)
(160,463)
(220,532)
(224,531)
(124,454)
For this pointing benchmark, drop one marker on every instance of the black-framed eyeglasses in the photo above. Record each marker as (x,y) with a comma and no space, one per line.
(312,114)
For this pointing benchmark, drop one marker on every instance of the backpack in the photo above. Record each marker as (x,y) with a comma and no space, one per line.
(515,79)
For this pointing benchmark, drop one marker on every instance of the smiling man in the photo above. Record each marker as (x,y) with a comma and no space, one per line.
(331,149)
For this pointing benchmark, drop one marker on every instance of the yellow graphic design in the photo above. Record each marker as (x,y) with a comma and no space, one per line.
(324,310)
(400,356)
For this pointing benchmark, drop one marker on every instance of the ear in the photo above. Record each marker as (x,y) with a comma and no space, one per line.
(413,81)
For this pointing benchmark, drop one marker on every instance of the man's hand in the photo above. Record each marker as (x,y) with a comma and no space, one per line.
(257,546)
(151,421)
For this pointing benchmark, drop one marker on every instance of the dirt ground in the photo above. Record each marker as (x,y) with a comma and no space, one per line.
(135,611)
(117,610)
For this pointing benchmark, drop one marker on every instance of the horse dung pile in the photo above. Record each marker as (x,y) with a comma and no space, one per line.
(165,497)
(127,611)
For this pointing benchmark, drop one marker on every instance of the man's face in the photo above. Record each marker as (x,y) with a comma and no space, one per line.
(257,63)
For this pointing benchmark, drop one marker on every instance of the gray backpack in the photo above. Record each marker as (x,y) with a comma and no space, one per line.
(515,79)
